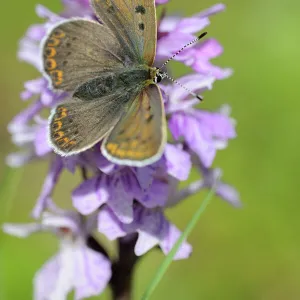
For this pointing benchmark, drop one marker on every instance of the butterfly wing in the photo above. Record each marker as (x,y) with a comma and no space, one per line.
(77,50)
(139,137)
(77,125)
(134,24)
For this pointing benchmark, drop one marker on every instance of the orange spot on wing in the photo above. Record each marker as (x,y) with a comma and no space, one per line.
(111,147)
(50,64)
(57,73)
(58,81)
(58,33)
(130,154)
(57,125)
(58,135)
(66,140)
(53,42)
(62,141)
(57,76)
(61,116)
(62,109)
(50,52)
(61,112)
(120,153)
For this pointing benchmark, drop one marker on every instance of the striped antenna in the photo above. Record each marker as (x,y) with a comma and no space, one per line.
(190,43)
(165,75)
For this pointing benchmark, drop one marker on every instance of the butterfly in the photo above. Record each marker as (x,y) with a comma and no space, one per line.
(107,69)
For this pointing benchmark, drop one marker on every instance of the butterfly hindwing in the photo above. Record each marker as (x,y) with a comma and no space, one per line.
(139,136)
(77,50)
(134,24)
(77,125)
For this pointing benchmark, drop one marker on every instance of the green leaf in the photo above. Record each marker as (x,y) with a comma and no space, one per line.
(166,263)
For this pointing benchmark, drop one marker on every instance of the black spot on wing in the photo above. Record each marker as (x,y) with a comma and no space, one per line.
(48,52)
(55,126)
(141,26)
(140,9)
(148,119)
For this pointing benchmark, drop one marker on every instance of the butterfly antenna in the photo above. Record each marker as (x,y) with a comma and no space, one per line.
(190,43)
(165,75)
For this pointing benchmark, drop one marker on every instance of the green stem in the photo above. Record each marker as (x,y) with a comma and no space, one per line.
(166,263)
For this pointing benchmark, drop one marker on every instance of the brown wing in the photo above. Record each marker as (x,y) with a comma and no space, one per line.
(134,24)
(139,137)
(77,125)
(76,51)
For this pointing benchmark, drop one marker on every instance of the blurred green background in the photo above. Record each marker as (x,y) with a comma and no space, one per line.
(248,253)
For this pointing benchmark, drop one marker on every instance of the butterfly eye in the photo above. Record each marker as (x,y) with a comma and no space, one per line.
(157,78)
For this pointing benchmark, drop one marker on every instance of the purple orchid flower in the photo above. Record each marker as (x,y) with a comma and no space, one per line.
(123,203)
(76,266)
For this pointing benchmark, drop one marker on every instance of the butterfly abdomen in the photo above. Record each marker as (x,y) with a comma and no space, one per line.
(98,87)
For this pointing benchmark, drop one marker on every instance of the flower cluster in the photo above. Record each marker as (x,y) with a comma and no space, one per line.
(118,201)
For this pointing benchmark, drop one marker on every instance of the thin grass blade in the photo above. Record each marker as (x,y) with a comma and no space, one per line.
(166,263)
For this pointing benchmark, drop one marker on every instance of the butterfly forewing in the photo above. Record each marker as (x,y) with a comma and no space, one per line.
(134,24)
(138,138)
(78,50)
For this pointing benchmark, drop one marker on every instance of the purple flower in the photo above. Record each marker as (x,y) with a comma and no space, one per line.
(31,137)
(75,266)
(178,99)
(118,191)
(211,131)
(40,87)
(44,201)
(79,8)
(152,227)
(161,1)
(121,202)
(210,178)
(175,32)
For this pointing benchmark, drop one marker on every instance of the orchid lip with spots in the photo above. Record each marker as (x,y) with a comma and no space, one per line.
(123,203)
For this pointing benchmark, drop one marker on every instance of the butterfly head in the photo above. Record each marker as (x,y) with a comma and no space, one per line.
(159,76)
